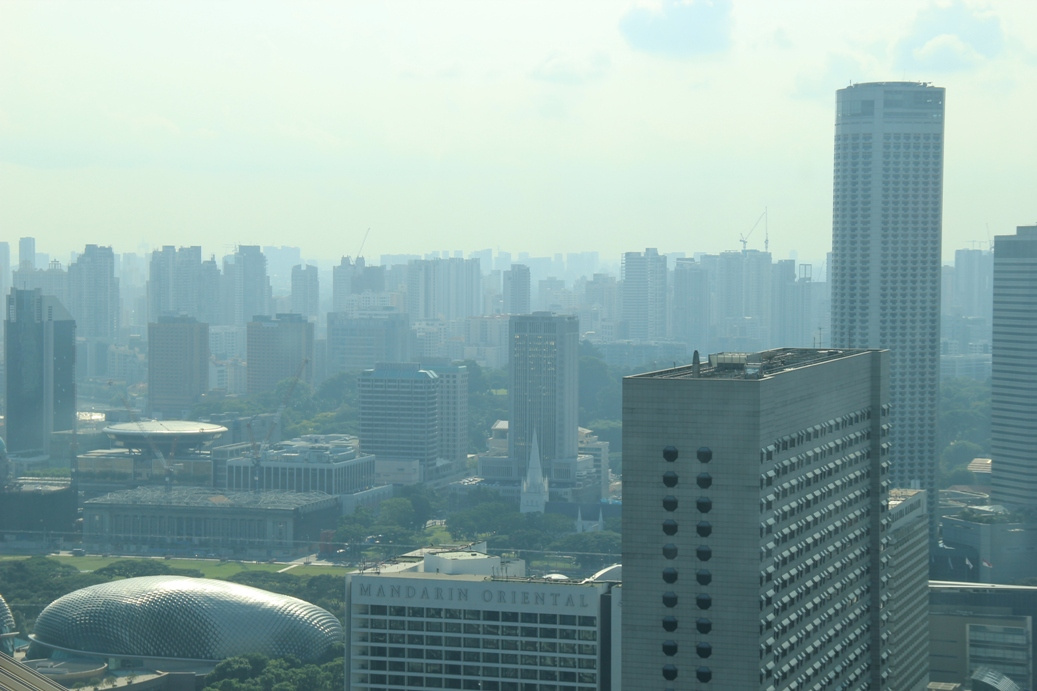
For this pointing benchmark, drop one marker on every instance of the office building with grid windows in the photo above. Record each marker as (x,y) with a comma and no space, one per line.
(756,528)
(887,220)
(438,631)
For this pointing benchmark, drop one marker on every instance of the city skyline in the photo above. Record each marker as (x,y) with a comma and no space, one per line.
(481,126)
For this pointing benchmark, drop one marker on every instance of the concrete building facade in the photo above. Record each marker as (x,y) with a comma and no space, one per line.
(754,510)
(887,219)
(1013,434)
(178,366)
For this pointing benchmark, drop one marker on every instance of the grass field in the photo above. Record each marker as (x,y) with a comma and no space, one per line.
(211,568)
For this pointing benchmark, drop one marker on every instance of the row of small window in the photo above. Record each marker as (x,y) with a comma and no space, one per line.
(475,615)
(703,552)
(508,641)
(703,674)
(703,504)
(495,630)
(702,600)
(704,454)
(392,682)
(397,663)
(702,576)
(702,649)
(704,480)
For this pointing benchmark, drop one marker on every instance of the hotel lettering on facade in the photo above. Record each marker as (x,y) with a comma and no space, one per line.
(429,630)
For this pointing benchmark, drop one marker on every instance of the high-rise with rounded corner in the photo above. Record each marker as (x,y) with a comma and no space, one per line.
(887,216)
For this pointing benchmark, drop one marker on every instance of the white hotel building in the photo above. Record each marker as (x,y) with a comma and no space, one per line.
(435,630)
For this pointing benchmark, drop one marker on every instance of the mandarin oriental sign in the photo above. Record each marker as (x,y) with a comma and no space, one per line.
(518,594)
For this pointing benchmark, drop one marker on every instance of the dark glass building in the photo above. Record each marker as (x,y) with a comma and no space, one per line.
(40,349)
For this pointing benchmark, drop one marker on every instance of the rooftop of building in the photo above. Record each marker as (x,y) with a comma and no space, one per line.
(205,497)
(759,365)
(160,429)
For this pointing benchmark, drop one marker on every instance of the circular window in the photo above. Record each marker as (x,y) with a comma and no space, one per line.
(670,526)
(669,672)
(670,550)
(670,574)
(703,625)
(703,576)
(669,648)
(704,480)
(704,649)
(670,624)
(670,453)
(704,504)
(670,478)
(670,598)
(703,552)
(704,528)
(703,601)
(704,454)
(670,502)
(703,674)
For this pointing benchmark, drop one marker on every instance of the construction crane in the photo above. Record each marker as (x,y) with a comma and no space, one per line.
(744,239)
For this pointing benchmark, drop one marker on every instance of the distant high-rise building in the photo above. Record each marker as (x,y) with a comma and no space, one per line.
(453,411)
(40,356)
(52,280)
(354,278)
(444,289)
(94,293)
(359,343)
(6,270)
(246,288)
(305,291)
(754,517)
(177,285)
(399,421)
(691,303)
(973,283)
(178,366)
(886,227)
(27,253)
(279,348)
(516,290)
(1013,404)
(543,389)
(644,295)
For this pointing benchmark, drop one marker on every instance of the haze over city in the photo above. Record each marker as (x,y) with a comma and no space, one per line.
(539,127)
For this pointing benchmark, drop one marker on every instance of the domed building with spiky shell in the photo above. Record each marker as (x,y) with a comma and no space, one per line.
(171,621)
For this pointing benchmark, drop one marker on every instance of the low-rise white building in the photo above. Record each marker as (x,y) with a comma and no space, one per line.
(424,630)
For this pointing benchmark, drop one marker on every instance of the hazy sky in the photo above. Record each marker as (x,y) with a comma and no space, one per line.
(545,127)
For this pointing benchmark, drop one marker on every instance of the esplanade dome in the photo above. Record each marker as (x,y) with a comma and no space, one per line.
(183,618)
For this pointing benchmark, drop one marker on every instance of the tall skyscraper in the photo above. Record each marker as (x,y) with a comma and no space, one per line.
(516,290)
(27,253)
(40,353)
(279,348)
(886,223)
(1013,434)
(178,365)
(690,315)
(644,295)
(305,290)
(245,285)
(543,388)
(754,510)
(94,294)
(444,289)
(177,285)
